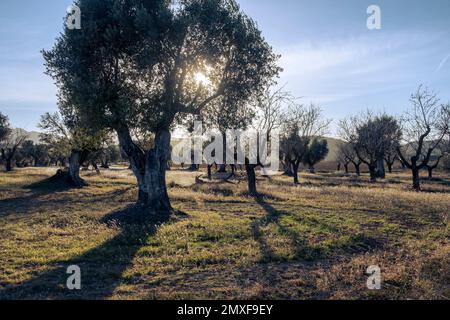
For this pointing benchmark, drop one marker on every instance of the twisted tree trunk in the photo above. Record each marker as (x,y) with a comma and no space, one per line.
(150,169)
(74,178)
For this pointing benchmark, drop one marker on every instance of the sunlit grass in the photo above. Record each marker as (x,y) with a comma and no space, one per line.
(309,241)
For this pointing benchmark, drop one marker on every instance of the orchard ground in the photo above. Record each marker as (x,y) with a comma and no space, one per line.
(313,241)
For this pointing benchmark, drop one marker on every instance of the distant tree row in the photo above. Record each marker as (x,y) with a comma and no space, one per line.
(419,140)
(140,68)
(59,146)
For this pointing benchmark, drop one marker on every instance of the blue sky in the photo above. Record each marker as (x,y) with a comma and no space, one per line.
(329,56)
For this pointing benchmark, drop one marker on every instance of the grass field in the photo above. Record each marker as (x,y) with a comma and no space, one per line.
(313,241)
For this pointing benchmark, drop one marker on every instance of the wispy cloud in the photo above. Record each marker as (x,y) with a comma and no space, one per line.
(443,62)
(336,70)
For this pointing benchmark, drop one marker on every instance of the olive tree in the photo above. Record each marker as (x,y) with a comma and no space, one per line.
(317,151)
(148,65)
(301,125)
(10,141)
(77,143)
(371,136)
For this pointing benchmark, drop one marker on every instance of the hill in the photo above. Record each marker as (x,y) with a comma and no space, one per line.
(31,135)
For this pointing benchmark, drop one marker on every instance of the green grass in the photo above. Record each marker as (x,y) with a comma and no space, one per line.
(312,241)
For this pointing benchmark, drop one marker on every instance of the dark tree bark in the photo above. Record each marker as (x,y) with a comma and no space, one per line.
(373,173)
(430,173)
(295,166)
(288,169)
(413,165)
(346,168)
(8,165)
(416,179)
(358,169)
(431,168)
(105,164)
(389,165)
(380,170)
(251,179)
(339,166)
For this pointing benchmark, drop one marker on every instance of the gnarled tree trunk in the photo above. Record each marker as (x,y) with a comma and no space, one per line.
(74,178)
(150,169)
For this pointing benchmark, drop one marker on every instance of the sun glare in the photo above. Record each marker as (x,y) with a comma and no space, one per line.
(201,79)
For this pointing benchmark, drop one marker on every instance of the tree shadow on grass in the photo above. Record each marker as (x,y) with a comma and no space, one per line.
(304,251)
(102,267)
(50,193)
(28,201)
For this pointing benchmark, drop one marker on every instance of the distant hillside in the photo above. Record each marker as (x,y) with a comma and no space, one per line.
(31,135)
(333,146)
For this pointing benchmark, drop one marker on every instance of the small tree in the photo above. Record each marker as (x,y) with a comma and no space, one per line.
(32,154)
(302,125)
(347,155)
(441,151)
(10,146)
(5,128)
(371,136)
(317,151)
(425,125)
(75,142)
(390,157)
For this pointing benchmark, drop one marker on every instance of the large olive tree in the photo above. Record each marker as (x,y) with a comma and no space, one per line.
(146,64)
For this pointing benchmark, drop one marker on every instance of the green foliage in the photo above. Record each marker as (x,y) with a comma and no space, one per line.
(134,63)
(5,128)
(375,136)
(62,139)
(317,151)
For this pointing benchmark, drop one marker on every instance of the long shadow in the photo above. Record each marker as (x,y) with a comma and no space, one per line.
(26,202)
(303,250)
(38,198)
(101,268)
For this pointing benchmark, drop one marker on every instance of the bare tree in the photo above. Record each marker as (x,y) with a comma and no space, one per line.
(390,157)
(347,155)
(271,108)
(425,125)
(347,151)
